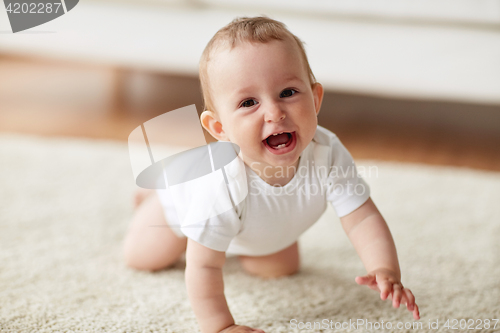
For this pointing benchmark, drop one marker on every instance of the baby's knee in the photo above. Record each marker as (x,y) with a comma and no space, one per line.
(139,266)
(272,273)
(269,270)
(283,263)
(145,263)
(132,260)
(281,272)
(145,268)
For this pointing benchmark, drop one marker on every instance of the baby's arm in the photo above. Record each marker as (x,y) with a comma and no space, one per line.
(370,235)
(205,288)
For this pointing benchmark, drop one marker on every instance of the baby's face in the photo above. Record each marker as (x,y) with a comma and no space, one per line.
(259,91)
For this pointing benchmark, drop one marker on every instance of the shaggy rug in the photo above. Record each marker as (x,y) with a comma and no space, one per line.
(65,205)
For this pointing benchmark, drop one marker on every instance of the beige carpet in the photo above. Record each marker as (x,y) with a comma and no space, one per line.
(64,209)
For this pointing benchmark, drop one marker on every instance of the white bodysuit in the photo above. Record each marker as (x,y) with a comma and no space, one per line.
(272,218)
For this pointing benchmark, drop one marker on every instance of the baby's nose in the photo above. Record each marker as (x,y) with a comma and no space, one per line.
(274,114)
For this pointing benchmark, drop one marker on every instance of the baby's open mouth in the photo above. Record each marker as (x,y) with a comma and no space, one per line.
(279,141)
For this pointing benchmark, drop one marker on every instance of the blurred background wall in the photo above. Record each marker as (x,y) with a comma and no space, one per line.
(405,80)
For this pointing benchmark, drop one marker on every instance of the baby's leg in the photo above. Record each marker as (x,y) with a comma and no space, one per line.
(282,263)
(150,244)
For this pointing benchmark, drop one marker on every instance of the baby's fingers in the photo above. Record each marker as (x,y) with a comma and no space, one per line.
(368,281)
(416,313)
(385,288)
(397,294)
(365,280)
(409,299)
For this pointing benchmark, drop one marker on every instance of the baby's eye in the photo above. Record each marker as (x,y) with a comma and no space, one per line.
(248,103)
(287,93)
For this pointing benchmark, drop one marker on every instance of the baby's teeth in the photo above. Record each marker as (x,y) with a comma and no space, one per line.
(280,146)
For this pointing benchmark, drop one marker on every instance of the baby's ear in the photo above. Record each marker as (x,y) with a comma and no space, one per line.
(211,123)
(318,92)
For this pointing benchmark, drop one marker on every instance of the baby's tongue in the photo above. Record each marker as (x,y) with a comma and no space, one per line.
(276,140)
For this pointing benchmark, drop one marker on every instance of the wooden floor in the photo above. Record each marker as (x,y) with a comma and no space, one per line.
(66,99)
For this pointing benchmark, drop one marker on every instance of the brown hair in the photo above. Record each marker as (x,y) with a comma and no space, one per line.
(258,29)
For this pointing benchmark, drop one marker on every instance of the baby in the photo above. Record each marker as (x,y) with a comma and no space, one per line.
(261,95)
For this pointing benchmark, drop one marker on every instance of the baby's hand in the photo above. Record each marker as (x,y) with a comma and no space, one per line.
(388,285)
(241,329)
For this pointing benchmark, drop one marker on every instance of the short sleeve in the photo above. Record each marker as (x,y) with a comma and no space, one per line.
(208,208)
(346,190)
(217,232)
